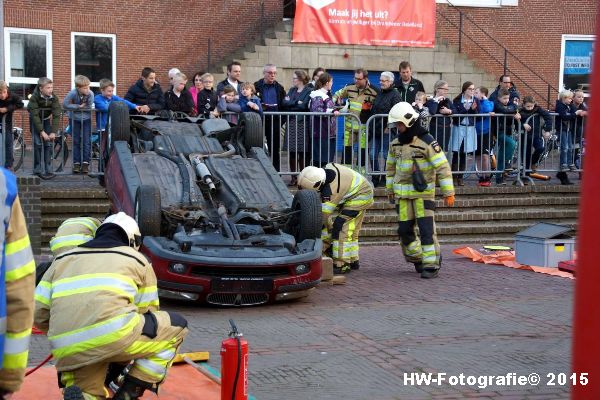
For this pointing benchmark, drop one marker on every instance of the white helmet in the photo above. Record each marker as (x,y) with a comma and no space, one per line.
(311,178)
(128,225)
(403,112)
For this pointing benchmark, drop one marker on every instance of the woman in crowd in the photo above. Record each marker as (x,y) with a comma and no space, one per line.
(323,127)
(440,107)
(464,135)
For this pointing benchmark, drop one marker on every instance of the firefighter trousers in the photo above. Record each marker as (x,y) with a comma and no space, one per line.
(341,234)
(152,352)
(413,213)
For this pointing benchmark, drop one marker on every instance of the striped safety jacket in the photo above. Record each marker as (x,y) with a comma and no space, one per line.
(429,157)
(17,281)
(359,101)
(349,190)
(91,302)
(73,232)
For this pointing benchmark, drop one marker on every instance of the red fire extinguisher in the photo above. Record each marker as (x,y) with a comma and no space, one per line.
(234,366)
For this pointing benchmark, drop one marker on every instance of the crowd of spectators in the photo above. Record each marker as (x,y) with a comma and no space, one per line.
(470,126)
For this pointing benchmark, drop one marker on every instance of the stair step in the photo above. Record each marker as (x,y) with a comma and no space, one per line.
(76,207)
(460,240)
(53,221)
(83,193)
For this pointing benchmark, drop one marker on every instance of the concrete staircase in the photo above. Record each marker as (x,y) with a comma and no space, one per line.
(480,215)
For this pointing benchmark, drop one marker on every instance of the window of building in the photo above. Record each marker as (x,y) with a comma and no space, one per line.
(28,57)
(480,3)
(576,62)
(93,55)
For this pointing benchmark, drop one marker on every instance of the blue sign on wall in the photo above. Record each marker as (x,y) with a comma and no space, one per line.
(578,57)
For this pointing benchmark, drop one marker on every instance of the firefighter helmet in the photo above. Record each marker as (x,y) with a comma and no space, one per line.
(311,178)
(129,226)
(403,112)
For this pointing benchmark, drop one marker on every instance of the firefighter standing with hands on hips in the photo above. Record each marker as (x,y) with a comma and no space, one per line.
(99,305)
(414,162)
(346,195)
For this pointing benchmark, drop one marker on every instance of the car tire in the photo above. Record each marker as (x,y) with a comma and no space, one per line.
(308,222)
(147,211)
(252,130)
(117,125)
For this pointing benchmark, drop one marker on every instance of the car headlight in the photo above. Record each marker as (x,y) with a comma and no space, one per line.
(178,268)
(301,269)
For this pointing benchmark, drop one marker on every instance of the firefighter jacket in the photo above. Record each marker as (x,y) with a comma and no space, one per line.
(91,302)
(348,190)
(17,281)
(73,232)
(360,102)
(418,145)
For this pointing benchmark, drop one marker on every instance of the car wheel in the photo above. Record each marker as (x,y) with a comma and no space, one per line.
(117,124)
(252,130)
(148,214)
(306,221)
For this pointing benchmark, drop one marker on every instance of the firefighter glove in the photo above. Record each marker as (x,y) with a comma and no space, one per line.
(449,201)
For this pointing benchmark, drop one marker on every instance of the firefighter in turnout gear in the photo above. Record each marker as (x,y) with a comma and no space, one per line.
(346,195)
(99,305)
(73,232)
(17,275)
(360,96)
(415,161)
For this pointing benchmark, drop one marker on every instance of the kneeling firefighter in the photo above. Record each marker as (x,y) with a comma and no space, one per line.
(414,162)
(346,195)
(99,305)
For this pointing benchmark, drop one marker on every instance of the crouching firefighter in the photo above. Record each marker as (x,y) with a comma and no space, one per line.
(414,162)
(346,195)
(99,305)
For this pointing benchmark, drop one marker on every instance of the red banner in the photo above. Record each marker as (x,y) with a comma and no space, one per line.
(370,22)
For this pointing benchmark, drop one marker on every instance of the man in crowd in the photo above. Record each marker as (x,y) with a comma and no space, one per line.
(505,82)
(271,95)
(407,85)
(234,71)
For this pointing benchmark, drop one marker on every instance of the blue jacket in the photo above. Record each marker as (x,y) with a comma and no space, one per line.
(482,124)
(514,93)
(565,120)
(504,124)
(244,104)
(102,103)
(72,102)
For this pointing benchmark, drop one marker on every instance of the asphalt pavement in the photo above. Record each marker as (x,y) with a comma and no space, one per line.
(369,338)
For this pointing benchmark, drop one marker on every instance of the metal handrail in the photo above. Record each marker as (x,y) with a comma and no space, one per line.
(506,51)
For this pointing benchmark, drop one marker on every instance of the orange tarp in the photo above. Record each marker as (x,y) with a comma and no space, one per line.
(183,383)
(507,258)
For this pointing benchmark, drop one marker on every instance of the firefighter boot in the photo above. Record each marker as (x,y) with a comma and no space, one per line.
(419,267)
(131,389)
(354,265)
(342,269)
(429,273)
(73,393)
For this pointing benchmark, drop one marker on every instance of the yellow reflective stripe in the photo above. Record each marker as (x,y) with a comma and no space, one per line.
(74,240)
(429,256)
(409,189)
(89,223)
(15,361)
(419,208)
(94,282)
(18,259)
(446,185)
(438,159)
(96,335)
(141,347)
(146,296)
(148,367)
(43,292)
(328,207)
(67,378)
(403,210)
(413,249)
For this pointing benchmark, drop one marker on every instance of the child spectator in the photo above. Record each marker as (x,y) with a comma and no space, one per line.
(102,102)
(440,107)
(229,103)
(565,124)
(207,98)
(580,105)
(324,128)
(79,102)
(504,131)
(249,102)
(419,106)
(42,106)
(9,102)
(464,135)
(485,141)
(534,119)
(178,98)
(147,93)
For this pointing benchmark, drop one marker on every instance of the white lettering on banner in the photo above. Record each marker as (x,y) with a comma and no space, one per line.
(338,13)
(484,381)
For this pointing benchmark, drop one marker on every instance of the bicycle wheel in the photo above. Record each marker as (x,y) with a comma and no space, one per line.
(60,153)
(18,149)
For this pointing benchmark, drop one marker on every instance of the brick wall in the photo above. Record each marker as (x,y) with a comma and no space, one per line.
(532,31)
(30,196)
(149,33)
